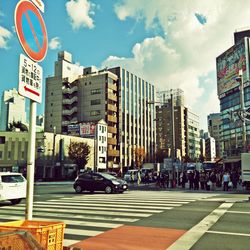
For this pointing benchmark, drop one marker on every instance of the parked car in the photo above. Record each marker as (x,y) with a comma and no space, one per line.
(12,187)
(92,181)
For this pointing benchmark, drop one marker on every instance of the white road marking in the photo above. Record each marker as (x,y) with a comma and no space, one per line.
(187,240)
(78,211)
(238,212)
(228,233)
(79,217)
(82,232)
(67,242)
(69,205)
(108,204)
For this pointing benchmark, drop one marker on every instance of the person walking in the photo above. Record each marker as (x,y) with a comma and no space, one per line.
(138,177)
(226,180)
(191,179)
(196,179)
(213,180)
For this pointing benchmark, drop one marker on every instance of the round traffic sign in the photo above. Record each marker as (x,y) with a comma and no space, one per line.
(31,30)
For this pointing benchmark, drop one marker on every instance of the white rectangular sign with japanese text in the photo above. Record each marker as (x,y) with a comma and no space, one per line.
(30,79)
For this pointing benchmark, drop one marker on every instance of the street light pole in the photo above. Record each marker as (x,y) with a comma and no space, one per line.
(242,106)
(173,137)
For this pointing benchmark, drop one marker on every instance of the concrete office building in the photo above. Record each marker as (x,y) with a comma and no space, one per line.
(214,123)
(13,154)
(12,108)
(76,94)
(229,63)
(164,136)
(193,135)
(136,116)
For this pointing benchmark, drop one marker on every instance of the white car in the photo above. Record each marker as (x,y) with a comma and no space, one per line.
(12,187)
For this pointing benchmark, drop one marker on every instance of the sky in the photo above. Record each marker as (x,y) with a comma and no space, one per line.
(170,43)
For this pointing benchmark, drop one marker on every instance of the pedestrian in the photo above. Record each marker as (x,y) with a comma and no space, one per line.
(132,177)
(191,179)
(226,180)
(196,179)
(139,177)
(213,180)
(183,179)
(202,180)
(146,178)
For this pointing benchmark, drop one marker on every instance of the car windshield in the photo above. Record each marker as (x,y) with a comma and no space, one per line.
(108,176)
(12,178)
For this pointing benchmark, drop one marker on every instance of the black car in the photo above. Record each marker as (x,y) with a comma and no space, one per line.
(92,181)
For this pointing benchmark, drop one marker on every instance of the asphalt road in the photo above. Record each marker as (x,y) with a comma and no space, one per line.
(143,220)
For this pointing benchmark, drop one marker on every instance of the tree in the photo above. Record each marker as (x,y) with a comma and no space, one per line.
(79,153)
(160,155)
(17,125)
(139,156)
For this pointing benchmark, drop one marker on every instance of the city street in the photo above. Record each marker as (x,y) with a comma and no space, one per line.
(142,219)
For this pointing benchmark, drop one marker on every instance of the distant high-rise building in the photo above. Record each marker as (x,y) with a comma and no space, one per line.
(210,149)
(12,108)
(214,123)
(184,123)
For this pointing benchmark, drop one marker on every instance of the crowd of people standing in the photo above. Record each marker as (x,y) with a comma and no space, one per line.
(192,179)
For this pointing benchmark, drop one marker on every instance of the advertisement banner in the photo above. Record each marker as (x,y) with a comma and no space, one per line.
(228,65)
(74,129)
(87,129)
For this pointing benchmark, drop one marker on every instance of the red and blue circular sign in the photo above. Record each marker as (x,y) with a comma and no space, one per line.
(31,30)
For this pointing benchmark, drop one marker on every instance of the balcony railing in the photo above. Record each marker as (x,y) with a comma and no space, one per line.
(112,118)
(112,141)
(112,86)
(112,107)
(112,97)
(114,153)
(112,130)
(70,101)
(69,111)
(70,90)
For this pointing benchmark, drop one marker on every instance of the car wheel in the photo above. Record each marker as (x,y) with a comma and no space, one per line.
(78,189)
(108,190)
(15,201)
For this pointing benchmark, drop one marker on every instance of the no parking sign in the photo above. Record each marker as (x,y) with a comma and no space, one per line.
(31,30)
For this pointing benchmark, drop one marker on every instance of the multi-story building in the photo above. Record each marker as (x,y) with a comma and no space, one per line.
(193,135)
(177,95)
(164,133)
(210,146)
(51,154)
(136,116)
(114,95)
(214,123)
(229,63)
(12,108)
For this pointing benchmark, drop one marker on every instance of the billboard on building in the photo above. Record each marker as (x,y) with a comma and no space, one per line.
(228,65)
(87,129)
(74,129)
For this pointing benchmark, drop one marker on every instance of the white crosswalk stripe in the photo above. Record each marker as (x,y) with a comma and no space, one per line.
(88,215)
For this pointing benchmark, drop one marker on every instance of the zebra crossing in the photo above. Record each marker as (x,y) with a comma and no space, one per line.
(88,215)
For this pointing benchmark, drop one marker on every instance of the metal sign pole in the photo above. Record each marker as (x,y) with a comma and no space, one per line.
(31,161)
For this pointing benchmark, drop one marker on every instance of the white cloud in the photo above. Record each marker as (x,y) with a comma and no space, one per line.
(79,12)
(55,43)
(187,50)
(5,35)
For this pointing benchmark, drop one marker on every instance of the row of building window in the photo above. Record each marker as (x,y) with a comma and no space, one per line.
(9,155)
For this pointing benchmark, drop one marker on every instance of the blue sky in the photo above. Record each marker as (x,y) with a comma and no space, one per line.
(169,43)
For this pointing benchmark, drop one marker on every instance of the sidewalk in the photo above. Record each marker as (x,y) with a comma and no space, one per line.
(40,183)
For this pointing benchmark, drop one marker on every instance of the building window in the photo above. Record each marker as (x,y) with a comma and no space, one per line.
(9,155)
(95,112)
(95,102)
(51,115)
(2,139)
(1,155)
(22,156)
(51,104)
(95,91)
